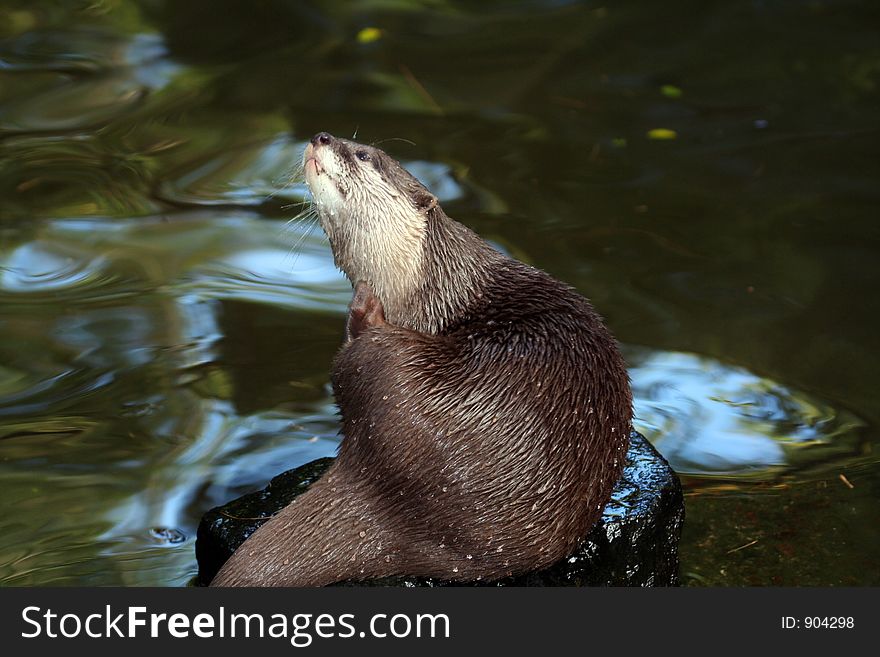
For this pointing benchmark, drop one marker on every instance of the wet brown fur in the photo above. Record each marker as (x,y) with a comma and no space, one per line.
(485,415)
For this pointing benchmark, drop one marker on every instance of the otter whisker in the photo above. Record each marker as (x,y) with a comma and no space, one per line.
(293,176)
(295,173)
(298,204)
(382,141)
(296,248)
(306,213)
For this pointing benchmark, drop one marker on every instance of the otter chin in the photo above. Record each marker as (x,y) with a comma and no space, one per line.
(485,407)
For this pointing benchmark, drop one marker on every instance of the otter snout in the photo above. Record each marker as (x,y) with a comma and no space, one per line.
(310,155)
(321,139)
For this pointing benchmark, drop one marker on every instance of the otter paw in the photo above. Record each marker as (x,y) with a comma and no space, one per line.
(364,312)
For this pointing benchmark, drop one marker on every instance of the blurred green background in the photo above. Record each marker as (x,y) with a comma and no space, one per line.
(706,172)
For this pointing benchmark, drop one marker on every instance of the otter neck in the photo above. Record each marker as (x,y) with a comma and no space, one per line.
(434,285)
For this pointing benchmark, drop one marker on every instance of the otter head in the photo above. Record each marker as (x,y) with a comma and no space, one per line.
(375,215)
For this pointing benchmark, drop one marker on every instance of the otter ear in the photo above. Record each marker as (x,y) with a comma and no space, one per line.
(425,201)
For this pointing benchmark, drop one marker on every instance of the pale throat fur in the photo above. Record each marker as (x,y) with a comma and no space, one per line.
(385,229)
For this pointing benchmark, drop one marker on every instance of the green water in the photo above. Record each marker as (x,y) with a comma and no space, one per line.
(706,172)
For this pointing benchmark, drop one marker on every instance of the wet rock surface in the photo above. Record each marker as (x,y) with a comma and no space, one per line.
(635,542)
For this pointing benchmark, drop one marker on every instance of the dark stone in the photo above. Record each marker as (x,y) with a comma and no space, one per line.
(635,543)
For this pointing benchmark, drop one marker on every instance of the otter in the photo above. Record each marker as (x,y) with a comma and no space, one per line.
(485,407)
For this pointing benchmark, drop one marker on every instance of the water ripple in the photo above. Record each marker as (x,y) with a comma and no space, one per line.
(37,272)
(709,418)
(108,76)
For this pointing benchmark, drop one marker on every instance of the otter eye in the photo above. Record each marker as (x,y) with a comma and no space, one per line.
(363,156)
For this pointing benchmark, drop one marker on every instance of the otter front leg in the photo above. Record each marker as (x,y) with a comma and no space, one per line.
(364,312)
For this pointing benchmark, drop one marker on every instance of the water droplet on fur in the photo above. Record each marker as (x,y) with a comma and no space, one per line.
(469,556)
(362,534)
(455,570)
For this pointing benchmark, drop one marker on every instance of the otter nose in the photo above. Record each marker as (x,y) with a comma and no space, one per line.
(322,138)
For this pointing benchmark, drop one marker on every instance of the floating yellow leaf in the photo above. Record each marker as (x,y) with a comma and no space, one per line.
(619,142)
(671,91)
(662,133)
(369,34)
